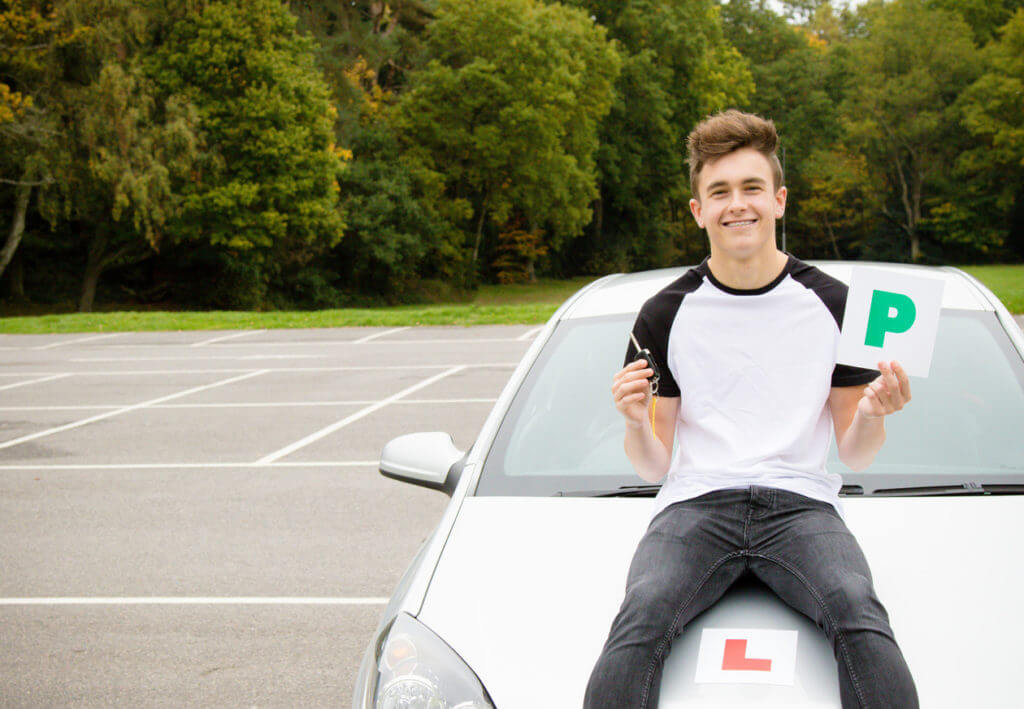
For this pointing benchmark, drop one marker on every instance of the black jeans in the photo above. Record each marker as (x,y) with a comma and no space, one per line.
(695,550)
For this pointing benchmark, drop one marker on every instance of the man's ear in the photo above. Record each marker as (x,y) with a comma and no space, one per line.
(695,210)
(780,202)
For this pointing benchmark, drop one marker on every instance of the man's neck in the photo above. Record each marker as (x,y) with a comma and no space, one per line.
(749,274)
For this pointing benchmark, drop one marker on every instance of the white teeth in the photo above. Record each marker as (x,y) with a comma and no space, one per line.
(749,221)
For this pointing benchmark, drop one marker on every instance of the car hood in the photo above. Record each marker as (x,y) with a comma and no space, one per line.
(526,590)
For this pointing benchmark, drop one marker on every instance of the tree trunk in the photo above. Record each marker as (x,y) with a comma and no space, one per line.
(15,283)
(92,278)
(17,226)
(832,236)
(915,238)
(93,268)
(480,228)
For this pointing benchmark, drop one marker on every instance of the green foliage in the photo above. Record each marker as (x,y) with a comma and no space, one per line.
(983,16)
(677,68)
(507,112)
(395,232)
(840,191)
(104,149)
(264,189)
(29,38)
(909,68)
(992,109)
(28,32)
(797,87)
(312,153)
(131,153)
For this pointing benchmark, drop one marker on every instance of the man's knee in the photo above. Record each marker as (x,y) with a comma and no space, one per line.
(650,598)
(853,605)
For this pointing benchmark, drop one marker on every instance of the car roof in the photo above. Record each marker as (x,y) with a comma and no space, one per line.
(622,293)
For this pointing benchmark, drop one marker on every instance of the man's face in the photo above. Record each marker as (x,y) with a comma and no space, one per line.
(738,204)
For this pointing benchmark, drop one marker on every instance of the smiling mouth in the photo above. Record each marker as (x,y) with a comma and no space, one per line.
(742,223)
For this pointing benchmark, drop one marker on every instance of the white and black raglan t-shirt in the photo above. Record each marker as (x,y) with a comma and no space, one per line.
(753,370)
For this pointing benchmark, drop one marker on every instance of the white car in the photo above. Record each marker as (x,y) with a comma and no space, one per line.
(509,601)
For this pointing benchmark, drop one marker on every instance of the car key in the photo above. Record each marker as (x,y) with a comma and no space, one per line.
(645,354)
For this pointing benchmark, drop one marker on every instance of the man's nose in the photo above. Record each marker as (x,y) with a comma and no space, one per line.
(737,201)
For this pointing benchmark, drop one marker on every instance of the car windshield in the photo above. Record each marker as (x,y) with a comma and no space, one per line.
(563,433)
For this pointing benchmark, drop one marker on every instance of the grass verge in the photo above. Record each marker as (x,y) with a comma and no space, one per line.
(1006,281)
(492,305)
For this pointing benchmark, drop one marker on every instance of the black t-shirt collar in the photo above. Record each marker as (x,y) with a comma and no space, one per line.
(706,272)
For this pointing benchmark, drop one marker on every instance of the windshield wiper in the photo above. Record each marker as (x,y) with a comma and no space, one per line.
(624,491)
(966,488)
(652,490)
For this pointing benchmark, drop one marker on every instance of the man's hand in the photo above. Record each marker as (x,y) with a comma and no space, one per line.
(632,392)
(889,393)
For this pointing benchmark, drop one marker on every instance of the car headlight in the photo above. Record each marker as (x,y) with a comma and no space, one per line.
(417,670)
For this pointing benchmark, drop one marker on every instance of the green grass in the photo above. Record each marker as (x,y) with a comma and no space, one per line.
(1006,281)
(491,305)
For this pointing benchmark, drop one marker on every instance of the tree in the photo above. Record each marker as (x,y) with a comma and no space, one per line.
(127,152)
(110,146)
(909,67)
(517,251)
(396,226)
(838,194)
(797,86)
(984,16)
(380,41)
(263,198)
(992,109)
(507,114)
(29,35)
(394,232)
(677,68)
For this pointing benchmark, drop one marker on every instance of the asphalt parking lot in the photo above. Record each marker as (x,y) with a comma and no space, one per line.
(196,518)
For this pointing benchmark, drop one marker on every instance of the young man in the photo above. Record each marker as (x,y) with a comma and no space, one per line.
(745,345)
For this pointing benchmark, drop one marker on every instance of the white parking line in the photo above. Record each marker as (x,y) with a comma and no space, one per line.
(197,358)
(75,341)
(226,337)
(126,409)
(33,381)
(249,404)
(193,358)
(368,338)
(311,438)
(188,466)
(530,333)
(315,343)
(194,601)
(225,370)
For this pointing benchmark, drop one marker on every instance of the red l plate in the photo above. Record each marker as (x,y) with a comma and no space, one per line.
(735,658)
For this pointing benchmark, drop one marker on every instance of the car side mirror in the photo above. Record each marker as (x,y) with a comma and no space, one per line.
(426,459)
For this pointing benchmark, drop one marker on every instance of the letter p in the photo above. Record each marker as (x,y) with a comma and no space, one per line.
(889,312)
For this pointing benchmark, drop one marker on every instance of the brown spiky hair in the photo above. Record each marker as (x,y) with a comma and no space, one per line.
(726,132)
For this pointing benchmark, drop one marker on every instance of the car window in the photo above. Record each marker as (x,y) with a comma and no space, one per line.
(562,431)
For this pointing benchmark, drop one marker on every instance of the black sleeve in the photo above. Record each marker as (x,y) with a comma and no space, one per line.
(652,334)
(832,293)
(845,375)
